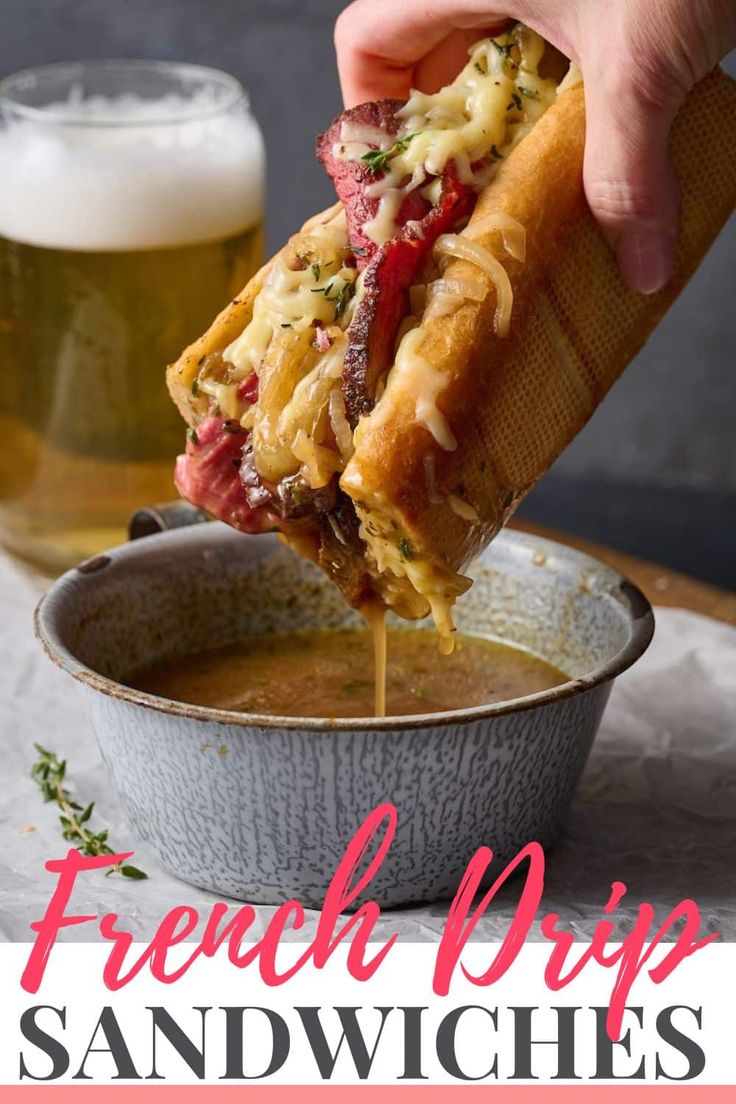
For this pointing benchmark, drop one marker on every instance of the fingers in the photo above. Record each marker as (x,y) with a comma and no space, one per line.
(384,47)
(638,60)
(630,182)
(442,64)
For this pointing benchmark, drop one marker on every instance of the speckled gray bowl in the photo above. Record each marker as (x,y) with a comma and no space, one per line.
(261,808)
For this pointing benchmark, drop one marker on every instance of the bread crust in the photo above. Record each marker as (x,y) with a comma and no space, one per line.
(513,404)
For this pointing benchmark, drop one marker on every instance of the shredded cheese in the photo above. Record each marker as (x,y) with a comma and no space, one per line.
(462,508)
(414,376)
(435,588)
(295,342)
(473,123)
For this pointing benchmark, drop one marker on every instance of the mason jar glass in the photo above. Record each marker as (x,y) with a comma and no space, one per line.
(131,211)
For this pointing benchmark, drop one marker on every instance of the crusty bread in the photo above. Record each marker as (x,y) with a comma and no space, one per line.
(513,404)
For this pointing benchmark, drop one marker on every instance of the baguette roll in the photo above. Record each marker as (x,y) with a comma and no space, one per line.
(511,405)
(390,385)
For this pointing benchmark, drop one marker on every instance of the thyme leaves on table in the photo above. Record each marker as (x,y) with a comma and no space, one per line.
(48,773)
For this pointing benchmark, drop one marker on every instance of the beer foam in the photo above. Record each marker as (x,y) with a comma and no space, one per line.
(123,173)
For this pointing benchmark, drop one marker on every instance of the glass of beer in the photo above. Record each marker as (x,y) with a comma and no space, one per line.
(131,211)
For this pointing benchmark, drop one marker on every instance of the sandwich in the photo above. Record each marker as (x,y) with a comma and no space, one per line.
(388,387)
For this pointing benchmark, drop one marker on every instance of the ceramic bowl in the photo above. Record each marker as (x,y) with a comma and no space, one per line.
(261,808)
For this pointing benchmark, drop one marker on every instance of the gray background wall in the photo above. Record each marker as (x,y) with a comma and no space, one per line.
(655,470)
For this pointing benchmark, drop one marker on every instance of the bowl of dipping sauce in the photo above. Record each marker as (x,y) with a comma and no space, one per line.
(232,694)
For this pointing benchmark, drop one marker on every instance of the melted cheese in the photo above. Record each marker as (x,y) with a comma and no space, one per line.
(375,615)
(308,285)
(416,377)
(473,123)
(296,297)
(383,226)
(393,557)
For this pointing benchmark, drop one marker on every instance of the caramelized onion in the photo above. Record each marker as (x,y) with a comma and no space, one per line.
(320,463)
(340,425)
(459,288)
(512,232)
(454,245)
(307,408)
(462,508)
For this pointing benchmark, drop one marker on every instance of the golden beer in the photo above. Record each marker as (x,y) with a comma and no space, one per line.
(131,234)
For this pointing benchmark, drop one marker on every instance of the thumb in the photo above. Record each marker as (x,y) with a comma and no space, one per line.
(630,181)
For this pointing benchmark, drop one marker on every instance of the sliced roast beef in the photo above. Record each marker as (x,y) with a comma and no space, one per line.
(208,475)
(384,300)
(390,269)
(351,177)
(342,552)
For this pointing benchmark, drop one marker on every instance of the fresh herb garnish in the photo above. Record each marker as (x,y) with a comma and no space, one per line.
(231,427)
(315,272)
(515,102)
(496,154)
(342,299)
(48,773)
(192,435)
(195,387)
(376,160)
(405,549)
(286,325)
(477,65)
(530,93)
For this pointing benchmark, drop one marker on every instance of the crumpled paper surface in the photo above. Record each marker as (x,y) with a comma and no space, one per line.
(656,808)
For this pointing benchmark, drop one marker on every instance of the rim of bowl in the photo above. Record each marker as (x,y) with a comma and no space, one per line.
(635,604)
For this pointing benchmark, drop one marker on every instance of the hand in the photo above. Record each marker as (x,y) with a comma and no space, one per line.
(639,59)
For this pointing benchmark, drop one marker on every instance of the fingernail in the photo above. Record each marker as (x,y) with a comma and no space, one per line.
(645,259)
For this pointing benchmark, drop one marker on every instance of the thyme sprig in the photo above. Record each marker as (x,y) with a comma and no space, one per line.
(48,773)
(340,298)
(376,160)
(405,549)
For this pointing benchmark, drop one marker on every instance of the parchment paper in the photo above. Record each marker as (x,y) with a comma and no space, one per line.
(656,808)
